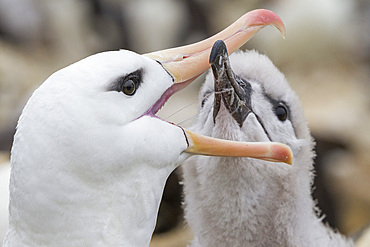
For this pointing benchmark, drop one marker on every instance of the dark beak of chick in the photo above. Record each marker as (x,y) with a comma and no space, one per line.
(234,91)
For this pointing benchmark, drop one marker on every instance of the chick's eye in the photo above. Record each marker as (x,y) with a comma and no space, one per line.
(281,112)
(205,97)
(203,102)
(129,87)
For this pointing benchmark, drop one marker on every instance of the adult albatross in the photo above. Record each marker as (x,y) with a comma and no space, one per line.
(90,158)
(242,201)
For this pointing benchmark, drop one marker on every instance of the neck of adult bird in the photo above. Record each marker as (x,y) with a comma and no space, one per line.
(245,202)
(70,210)
(70,186)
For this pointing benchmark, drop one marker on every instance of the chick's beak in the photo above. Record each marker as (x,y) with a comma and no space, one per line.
(188,62)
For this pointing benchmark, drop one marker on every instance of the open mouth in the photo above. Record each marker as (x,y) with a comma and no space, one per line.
(166,95)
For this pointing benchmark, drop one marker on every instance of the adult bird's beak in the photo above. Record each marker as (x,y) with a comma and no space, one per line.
(270,151)
(188,62)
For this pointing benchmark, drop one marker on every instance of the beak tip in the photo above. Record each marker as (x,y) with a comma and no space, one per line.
(219,47)
(289,161)
(282,153)
(264,17)
(281,29)
(289,157)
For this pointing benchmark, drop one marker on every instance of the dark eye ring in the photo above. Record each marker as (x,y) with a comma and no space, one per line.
(281,112)
(129,87)
(205,98)
(203,102)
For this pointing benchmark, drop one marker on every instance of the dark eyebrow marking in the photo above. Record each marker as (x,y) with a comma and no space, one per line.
(135,76)
(275,103)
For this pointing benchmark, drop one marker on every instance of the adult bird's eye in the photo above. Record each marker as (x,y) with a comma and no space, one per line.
(281,112)
(127,84)
(129,87)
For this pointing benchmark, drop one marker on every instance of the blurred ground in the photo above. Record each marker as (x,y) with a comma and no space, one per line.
(325,56)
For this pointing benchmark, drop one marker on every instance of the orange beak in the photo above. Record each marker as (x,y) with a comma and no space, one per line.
(270,151)
(188,62)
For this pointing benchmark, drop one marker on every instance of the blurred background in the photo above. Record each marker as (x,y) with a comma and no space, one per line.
(325,57)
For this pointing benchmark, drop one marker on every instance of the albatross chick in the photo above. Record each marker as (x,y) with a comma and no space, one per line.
(248,202)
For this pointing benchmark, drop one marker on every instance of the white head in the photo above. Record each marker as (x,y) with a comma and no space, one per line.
(84,148)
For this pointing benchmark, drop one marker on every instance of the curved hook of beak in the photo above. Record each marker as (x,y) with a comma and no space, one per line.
(188,62)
